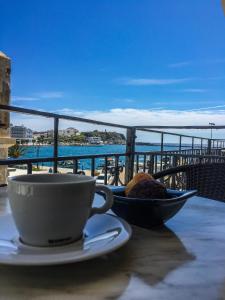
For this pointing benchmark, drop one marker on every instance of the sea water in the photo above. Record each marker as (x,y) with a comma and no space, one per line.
(47,151)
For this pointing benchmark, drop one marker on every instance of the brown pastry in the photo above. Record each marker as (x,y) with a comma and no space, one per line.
(148,189)
(137,178)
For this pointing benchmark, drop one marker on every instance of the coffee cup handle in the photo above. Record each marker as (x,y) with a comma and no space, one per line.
(108,200)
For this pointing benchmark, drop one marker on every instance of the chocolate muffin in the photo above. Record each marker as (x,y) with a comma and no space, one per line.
(137,178)
(148,189)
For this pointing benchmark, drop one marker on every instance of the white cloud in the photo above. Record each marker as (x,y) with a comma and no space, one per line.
(194,90)
(152,81)
(216,61)
(23,98)
(216,78)
(207,108)
(180,64)
(129,100)
(38,96)
(124,100)
(50,94)
(132,117)
(197,62)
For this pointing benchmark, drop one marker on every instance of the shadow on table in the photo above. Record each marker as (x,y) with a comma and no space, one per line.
(150,254)
(156,253)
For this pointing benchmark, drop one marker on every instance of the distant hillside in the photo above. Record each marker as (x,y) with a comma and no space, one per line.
(106,136)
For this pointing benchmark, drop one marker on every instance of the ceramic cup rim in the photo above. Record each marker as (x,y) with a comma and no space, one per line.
(27,179)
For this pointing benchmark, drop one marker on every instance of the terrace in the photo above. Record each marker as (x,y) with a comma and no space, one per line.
(195,150)
(182,259)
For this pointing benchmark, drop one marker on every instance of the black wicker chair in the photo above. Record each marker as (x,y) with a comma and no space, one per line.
(208,179)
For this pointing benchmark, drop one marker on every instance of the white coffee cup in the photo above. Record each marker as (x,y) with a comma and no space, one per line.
(52,209)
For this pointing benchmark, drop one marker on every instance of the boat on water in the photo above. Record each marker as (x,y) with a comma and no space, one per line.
(66,164)
(93,145)
(110,162)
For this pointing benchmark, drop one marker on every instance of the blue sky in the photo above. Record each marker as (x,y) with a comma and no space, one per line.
(99,58)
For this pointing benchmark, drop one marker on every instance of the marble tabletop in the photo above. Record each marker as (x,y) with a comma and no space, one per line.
(183,260)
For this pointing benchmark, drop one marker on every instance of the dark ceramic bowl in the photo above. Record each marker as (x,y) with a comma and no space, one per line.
(148,212)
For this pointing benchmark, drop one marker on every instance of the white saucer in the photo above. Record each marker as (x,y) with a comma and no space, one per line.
(103,234)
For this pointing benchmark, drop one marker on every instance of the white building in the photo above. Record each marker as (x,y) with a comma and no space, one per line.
(70,131)
(94,140)
(21,132)
(45,134)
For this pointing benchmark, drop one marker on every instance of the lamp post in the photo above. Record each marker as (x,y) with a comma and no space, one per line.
(211,124)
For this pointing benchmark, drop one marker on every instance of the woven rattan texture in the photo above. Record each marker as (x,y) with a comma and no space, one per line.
(208,179)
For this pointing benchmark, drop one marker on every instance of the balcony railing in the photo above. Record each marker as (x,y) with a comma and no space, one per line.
(201,150)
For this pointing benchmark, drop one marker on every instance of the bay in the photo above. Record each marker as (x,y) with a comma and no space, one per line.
(64,150)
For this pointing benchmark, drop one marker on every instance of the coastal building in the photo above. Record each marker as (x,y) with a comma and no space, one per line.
(43,134)
(94,140)
(21,132)
(70,131)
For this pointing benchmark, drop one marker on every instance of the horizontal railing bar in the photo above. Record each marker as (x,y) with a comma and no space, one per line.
(148,128)
(182,127)
(179,154)
(168,145)
(52,159)
(58,116)
(218,140)
(175,134)
(80,157)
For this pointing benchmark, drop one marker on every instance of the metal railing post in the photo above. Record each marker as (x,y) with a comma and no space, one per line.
(130,148)
(75,166)
(162,142)
(173,179)
(162,148)
(93,167)
(117,172)
(29,168)
(56,133)
(192,145)
(105,171)
(180,143)
(137,164)
(209,146)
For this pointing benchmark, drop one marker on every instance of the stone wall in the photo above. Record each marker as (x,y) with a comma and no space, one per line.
(5,140)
